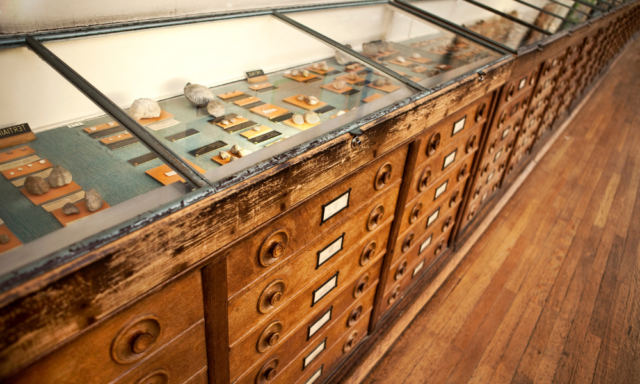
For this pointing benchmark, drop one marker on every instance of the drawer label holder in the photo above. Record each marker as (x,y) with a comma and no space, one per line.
(315,327)
(327,287)
(315,376)
(441,189)
(433,217)
(425,244)
(450,158)
(417,268)
(315,353)
(336,205)
(459,125)
(330,250)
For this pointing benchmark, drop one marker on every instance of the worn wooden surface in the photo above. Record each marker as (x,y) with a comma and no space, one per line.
(550,292)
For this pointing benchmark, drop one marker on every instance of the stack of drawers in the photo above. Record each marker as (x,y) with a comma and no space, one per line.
(301,288)
(506,127)
(160,339)
(432,192)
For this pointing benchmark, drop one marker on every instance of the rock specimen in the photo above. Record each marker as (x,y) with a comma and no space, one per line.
(351,67)
(198,95)
(59,177)
(92,200)
(70,209)
(305,73)
(401,59)
(311,117)
(232,159)
(36,185)
(298,119)
(382,82)
(295,72)
(312,100)
(215,108)
(315,66)
(352,76)
(370,49)
(4,238)
(224,155)
(144,109)
(238,151)
(324,66)
(338,84)
(415,55)
(342,58)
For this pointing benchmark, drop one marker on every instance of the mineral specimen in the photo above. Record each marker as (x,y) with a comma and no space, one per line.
(92,200)
(59,177)
(36,185)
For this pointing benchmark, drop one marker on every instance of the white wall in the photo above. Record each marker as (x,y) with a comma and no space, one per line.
(24,16)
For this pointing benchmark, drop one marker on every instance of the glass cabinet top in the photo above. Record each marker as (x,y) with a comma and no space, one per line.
(232,93)
(528,14)
(410,46)
(66,166)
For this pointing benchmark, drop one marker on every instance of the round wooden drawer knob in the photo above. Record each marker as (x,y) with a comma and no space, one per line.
(368,253)
(510,91)
(439,247)
(351,342)
(271,296)
(462,173)
(355,316)
(142,342)
(501,120)
(375,217)
(471,144)
(394,295)
(415,213)
(268,371)
(408,241)
(448,222)
(273,247)
(159,376)
(434,143)
(361,286)
(269,336)
(425,179)
(481,111)
(383,177)
(135,340)
(454,198)
(402,268)
(275,299)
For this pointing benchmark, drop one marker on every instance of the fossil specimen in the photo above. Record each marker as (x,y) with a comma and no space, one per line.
(198,95)
(144,109)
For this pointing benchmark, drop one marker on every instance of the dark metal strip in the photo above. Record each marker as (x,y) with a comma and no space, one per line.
(182,135)
(123,143)
(142,159)
(264,137)
(191,176)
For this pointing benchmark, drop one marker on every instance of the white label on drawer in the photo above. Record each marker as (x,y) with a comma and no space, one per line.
(425,244)
(318,350)
(433,217)
(490,176)
(169,174)
(524,141)
(441,189)
(315,376)
(449,159)
(484,197)
(321,292)
(523,82)
(505,133)
(418,268)
(458,125)
(315,327)
(338,204)
(498,155)
(330,250)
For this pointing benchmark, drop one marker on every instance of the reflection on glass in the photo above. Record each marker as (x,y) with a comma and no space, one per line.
(482,22)
(63,162)
(228,89)
(528,14)
(406,44)
(575,12)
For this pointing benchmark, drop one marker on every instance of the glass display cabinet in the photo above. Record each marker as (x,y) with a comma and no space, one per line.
(69,171)
(515,26)
(420,50)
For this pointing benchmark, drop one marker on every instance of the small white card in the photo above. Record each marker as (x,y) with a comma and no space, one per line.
(316,351)
(169,174)
(523,82)
(425,244)
(433,217)
(315,327)
(498,155)
(449,159)
(490,176)
(505,133)
(418,268)
(338,204)
(484,197)
(441,189)
(330,250)
(162,124)
(315,376)
(458,125)
(325,289)
(76,124)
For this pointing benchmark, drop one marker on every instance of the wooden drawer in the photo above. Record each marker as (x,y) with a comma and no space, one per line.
(301,276)
(515,88)
(456,127)
(417,208)
(278,241)
(501,132)
(413,272)
(177,362)
(308,301)
(136,334)
(199,378)
(322,368)
(507,112)
(425,175)
(433,221)
(497,150)
(291,353)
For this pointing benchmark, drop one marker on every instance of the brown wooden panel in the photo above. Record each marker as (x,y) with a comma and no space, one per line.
(253,258)
(343,319)
(136,334)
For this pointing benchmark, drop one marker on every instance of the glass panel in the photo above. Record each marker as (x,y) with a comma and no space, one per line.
(481,21)
(568,9)
(528,14)
(223,121)
(72,176)
(408,45)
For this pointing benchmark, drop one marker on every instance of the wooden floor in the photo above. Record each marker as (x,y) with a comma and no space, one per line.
(551,291)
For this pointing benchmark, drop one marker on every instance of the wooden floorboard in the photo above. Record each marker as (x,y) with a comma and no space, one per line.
(551,292)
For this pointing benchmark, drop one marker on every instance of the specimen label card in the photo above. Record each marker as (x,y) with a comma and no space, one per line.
(163,124)
(14,130)
(57,204)
(315,376)
(327,287)
(331,250)
(182,135)
(16,154)
(20,162)
(316,351)
(425,244)
(208,148)
(334,207)
(28,169)
(106,132)
(123,143)
(418,268)
(315,327)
